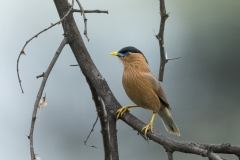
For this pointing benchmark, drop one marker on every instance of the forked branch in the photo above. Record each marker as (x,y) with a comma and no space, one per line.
(90,71)
(22,52)
(84,19)
(103,119)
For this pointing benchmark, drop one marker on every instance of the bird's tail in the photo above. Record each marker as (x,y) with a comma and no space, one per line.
(168,121)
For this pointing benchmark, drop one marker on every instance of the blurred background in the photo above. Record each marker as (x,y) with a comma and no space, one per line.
(202,87)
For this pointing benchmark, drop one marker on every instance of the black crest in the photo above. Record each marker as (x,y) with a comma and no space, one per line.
(130,49)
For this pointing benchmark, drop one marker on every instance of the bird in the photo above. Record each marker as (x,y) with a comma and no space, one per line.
(144,89)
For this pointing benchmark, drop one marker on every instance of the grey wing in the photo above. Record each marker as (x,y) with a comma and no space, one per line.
(158,89)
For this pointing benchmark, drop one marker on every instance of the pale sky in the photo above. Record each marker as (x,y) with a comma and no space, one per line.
(202,87)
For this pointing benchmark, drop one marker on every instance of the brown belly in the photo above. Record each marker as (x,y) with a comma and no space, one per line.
(140,90)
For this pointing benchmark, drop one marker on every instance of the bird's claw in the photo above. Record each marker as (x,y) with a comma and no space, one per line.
(146,128)
(121,111)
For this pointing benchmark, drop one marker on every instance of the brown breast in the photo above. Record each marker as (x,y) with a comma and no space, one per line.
(139,89)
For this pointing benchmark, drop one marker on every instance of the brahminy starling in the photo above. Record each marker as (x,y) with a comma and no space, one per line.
(144,89)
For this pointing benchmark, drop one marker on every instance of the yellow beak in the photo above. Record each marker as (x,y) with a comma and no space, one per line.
(114,53)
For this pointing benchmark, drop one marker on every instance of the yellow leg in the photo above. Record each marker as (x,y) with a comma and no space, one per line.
(149,126)
(122,110)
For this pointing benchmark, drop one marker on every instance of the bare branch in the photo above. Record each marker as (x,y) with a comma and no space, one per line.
(225,148)
(85,142)
(103,119)
(90,11)
(22,52)
(160,38)
(39,95)
(82,56)
(104,131)
(84,19)
(181,146)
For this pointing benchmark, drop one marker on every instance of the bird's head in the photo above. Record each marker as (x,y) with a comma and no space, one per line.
(130,54)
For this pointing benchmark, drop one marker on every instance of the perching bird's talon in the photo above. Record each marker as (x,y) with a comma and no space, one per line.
(121,111)
(149,126)
(146,128)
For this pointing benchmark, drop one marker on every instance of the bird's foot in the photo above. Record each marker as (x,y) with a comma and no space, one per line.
(124,109)
(121,111)
(146,128)
(149,126)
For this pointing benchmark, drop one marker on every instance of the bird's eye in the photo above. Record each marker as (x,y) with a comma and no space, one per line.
(127,53)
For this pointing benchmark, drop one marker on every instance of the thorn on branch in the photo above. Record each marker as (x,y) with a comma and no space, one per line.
(158,37)
(174,58)
(91,11)
(23,53)
(42,75)
(165,16)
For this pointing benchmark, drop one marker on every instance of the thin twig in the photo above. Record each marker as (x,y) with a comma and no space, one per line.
(85,142)
(170,58)
(170,155)
(39,95)
(160,38)
(91,11)
(84,19)
(173,58)
(22,52)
